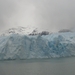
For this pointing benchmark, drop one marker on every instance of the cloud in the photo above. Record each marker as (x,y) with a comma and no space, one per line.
(54,15)
(16,13)
(51,15)
(7,9)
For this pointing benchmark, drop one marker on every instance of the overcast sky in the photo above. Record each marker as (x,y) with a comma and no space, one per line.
(51,15)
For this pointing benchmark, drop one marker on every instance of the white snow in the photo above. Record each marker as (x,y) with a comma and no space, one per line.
(19,30)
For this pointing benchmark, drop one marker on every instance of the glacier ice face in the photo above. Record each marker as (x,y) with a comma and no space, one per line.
(17,46)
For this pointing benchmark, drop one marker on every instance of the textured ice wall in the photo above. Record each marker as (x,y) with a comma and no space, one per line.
(55,45)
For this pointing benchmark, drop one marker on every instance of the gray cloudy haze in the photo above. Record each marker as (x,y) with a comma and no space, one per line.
(51,15)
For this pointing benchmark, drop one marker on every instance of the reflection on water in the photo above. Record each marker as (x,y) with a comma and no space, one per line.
(62,66)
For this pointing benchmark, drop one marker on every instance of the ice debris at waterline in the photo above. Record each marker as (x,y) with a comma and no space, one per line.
(54,45)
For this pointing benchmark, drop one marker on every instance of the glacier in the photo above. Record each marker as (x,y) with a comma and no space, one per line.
(54,45)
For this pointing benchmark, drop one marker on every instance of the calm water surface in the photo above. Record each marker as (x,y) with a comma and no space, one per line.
(62,66)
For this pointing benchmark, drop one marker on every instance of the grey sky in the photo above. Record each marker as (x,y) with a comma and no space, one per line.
(51,15)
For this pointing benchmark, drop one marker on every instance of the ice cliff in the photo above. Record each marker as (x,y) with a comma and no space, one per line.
(16,46)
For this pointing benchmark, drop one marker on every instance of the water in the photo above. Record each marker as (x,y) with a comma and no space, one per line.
(62,66)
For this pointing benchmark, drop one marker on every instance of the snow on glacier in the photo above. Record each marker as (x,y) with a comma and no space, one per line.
(55,45)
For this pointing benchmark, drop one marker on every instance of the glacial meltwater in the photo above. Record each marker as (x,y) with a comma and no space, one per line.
(57,66)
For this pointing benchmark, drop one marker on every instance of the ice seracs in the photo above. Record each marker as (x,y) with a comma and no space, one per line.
(17,46)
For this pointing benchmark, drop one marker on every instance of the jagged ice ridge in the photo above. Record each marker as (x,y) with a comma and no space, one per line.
(55,45)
